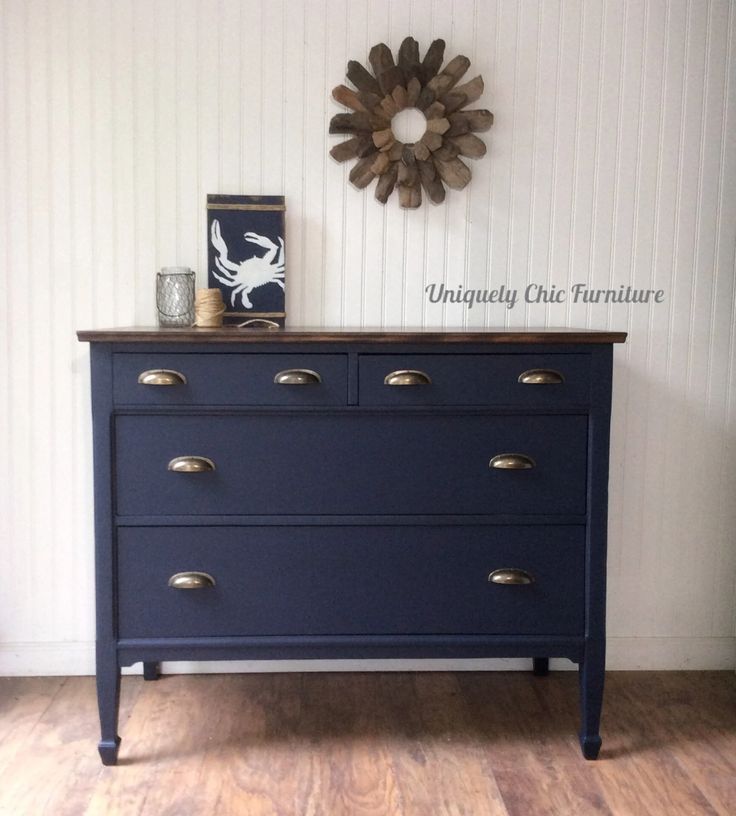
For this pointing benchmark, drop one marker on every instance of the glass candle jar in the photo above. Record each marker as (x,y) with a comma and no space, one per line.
(175,296)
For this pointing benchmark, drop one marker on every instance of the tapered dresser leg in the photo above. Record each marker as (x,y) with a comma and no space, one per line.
(591,675)
(541,666)
(151,671)
(108,702)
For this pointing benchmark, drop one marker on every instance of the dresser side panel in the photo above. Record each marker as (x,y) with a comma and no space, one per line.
(102,408)
(598,456)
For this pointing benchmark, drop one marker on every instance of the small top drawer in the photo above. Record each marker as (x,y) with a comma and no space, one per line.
(230,379)
(544,380)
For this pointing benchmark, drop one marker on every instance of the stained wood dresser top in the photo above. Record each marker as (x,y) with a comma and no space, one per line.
(232,334)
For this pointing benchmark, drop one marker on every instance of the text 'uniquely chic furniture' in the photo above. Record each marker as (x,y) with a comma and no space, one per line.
(327,494)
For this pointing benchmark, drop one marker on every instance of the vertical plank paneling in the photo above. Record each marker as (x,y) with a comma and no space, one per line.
(243,96)
(567,117)
(587,155)
(16,177)
(294,157)
(334,183)
(436,248)
(273,93)
(102,161)
(608,143)
(524,195)
(714,291)
(239,92)
(478,214)
(123,159)
(653,547)
(504,80)
(6,521)
(632,254)
(544,160)
(457,203)
(493,314)
(693,500)
(355,272)
(61,348)
(166,123)
(722,399)
(37,270)
(374,280)
(412,295)
(190,213)
(680,458)
(611,161)
(145,176)
(316,117)
(419,263)
(83,284)
(394,219)
(208,117)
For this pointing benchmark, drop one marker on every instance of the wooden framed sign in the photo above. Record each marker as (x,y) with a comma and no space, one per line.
(246,257)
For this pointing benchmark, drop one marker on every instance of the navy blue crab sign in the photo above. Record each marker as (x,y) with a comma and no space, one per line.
(246,258)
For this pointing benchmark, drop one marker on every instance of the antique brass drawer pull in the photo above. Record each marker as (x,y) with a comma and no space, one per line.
(191,464)
(512,461)
(297,376)
(161,376)
(407,377)
(541,376)
(510,577)
(191,580)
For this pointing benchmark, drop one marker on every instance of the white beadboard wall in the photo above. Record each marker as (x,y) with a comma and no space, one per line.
(612,161)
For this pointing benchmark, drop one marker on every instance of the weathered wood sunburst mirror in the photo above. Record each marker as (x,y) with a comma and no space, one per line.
(436,100)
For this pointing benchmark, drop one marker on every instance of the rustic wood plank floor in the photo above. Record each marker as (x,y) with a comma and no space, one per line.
(424,744)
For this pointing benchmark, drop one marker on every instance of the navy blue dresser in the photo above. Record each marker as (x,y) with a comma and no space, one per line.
(300,494)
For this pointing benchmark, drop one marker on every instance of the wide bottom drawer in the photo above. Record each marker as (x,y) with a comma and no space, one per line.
(347,579)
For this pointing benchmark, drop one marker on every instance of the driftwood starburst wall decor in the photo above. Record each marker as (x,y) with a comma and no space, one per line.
(394,86)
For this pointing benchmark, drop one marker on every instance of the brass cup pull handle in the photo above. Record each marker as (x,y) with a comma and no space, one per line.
(191,464)
(510,577)
(297,376)
(541,376)
(512,461)
(161,376)
(191,580)
(407,376)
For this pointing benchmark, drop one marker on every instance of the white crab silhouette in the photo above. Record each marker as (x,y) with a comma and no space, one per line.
(248,275)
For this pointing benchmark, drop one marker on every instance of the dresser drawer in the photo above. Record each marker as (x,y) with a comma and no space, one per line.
(342,580)
(350,463)
(534,380)
(231,379)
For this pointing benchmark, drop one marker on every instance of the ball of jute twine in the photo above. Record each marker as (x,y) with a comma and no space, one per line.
(208,308)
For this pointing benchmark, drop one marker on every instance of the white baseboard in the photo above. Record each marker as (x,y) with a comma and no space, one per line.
(624,653)
(670,653)
(32,659)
